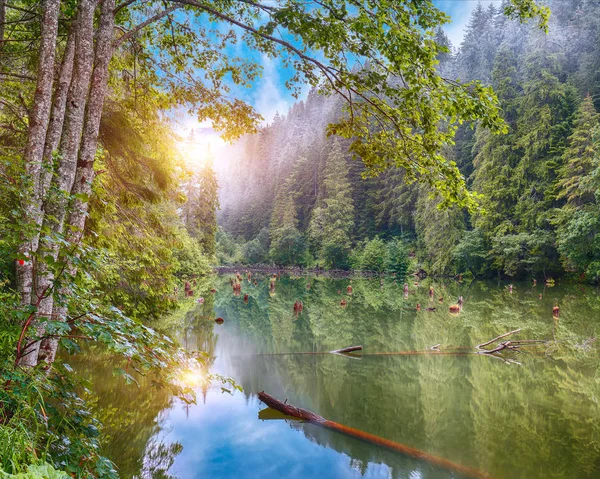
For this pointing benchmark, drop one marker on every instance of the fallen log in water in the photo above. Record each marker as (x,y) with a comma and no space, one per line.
(309,416)
(512,345)
(347,350)
(342,351)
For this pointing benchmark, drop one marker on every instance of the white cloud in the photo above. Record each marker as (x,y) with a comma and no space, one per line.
(269,99)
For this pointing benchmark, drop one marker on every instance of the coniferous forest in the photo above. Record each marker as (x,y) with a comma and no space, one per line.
(291,195)
(371,252)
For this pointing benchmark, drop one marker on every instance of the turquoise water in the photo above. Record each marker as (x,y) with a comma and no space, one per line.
(533,414)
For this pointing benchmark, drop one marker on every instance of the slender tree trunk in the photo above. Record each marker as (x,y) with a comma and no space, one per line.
(2,23)
(57,203)
(38,124)
(57,117)
(85,165)
(53,134)
(52,141)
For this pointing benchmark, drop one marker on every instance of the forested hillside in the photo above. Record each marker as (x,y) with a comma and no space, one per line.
(291,195)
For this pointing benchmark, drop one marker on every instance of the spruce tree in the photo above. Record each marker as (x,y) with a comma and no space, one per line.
(579,157)
(200,211)
(578,221)
(332,221)
(288,244)
(496,155)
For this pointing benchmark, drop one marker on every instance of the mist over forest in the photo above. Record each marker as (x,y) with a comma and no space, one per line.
(283,189)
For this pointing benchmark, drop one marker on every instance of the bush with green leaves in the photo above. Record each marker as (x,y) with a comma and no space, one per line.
(191,259)
(229,250)
(370,256)
(471,253)
(381,256)
(396,259)
(288,247)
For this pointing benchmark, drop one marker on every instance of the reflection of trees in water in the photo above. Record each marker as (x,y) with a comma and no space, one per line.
(541,419)
(158,459)
(129,414)
(132,415)
(535,420)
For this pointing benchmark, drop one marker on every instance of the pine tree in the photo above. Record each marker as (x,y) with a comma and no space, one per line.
(496,156)
(579,157)
(394,203)
(200,211)
(578,221)
(288,244)
(478,47)
(332,221)
(544,125)
(444,56)
(438,232)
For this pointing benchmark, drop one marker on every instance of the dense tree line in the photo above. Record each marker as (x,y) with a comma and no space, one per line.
(539,182)
(95,230)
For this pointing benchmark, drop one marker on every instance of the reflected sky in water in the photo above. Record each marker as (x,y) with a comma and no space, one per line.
(537,416)
(223,438)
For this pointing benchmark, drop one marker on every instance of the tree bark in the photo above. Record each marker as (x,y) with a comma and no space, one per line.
(2,24)
(57,117)
(34,149)
(85,166)
(56,205)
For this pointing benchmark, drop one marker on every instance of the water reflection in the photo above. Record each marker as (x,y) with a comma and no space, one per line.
(536,419)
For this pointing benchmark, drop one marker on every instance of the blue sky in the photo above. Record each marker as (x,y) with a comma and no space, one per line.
(269,94)
(460,12)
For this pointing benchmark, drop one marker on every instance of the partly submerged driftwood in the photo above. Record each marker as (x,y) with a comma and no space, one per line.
(343,351)
(309,416)
(511,345)
(349,349)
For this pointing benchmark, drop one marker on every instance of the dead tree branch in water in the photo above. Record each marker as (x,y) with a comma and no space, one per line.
(513,345)
(480,346)
(342,352)
(349,349)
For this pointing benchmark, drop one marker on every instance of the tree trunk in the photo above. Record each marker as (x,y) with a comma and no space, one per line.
(85,166)
(57,117)
(2,23)
(56,205)
(38,124)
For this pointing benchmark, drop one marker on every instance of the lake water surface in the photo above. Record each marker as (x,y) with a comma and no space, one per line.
(535,414)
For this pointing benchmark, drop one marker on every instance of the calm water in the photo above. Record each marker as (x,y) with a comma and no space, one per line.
(536,415)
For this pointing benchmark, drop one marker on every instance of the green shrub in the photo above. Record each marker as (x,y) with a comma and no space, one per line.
(381,256)
(396,259)
(288,247)
(37,471)
(192,260)
(371,256)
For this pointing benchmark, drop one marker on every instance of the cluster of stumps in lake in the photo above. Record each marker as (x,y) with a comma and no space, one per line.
(501,347)
(455,309)
(237,281)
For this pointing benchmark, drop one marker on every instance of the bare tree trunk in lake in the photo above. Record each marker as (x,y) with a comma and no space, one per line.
(34,149)
(85,165)
(62,181)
